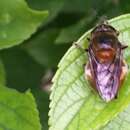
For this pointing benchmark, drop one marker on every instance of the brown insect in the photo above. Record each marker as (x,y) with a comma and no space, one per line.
(106,69)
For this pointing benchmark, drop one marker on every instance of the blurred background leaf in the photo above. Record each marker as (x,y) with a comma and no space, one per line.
(53,6)
(2,74)
(18,110)
(42,49)
(22,73)
(18,22)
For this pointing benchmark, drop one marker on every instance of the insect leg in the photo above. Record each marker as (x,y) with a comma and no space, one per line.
(88,38)
(124,47)
(88,76)
(116,96)
(117,33)
(124,71)
(78,46)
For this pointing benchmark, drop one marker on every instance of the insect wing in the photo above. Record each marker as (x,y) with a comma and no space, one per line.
(106,77)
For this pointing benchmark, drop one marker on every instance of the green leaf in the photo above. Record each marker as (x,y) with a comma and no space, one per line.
(121,122)
(43,49)
(73,105)
(53,6)
(22,71)
(73,31)
(17,22)
(18,110)
(68,34)
(2,74)
(42,100)
(76,6)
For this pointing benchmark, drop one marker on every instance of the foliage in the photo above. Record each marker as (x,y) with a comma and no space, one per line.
(74,105)
(43,30)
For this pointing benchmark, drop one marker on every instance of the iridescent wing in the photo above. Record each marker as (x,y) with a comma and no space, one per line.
(107,77)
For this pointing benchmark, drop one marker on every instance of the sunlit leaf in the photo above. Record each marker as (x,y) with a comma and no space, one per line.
(121,122)
(17,22)
(73,105)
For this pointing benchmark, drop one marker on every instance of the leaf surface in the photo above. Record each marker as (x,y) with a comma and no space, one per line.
(121,122)
(18,110)
(74,106)
(17,22)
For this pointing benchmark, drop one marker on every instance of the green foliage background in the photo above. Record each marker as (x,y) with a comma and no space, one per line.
(45,38)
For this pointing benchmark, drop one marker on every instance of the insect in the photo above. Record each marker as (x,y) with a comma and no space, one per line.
(106,69)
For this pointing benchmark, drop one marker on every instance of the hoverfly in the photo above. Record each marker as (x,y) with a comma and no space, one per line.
(106,68)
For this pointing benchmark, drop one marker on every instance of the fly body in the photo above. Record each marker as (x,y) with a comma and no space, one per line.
(107,68)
